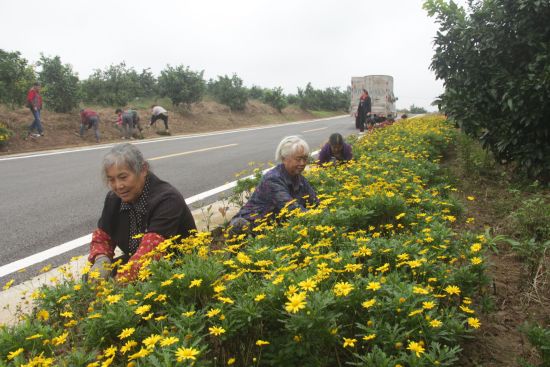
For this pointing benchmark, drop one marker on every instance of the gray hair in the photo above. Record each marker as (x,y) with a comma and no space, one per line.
(289,146)
(124,155)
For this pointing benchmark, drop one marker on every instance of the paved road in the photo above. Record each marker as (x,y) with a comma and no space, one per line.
(49,199)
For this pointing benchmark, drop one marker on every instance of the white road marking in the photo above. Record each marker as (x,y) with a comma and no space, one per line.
(192,151)
(321,128)
(85,240)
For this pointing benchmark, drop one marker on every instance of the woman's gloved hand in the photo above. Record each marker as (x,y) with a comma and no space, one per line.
(102,265)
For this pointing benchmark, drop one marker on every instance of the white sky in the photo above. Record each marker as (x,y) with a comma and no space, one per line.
(285,43)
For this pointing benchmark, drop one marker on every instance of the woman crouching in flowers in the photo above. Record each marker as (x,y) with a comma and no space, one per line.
(335,151)
(283,186)
(138,203)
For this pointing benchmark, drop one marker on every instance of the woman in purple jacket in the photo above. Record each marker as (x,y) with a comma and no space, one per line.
(335,151)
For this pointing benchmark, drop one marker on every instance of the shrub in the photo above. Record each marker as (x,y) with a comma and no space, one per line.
(229,91)
(5,135)
(182,85)
(16,77)
(61,92)
(275,98)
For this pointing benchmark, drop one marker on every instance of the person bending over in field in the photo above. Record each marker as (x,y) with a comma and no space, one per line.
(282,186)
(159,113)
(335,151)
(138,203)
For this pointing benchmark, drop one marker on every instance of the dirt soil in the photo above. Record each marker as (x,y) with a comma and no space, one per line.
(61,129)
(512,297)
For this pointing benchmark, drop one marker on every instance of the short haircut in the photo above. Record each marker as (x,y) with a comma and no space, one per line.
(290,145)
(124,155)
(336,139)
(118,110)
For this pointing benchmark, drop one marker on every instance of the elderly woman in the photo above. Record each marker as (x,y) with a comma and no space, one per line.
(138,203)
(336,150)
(283,185)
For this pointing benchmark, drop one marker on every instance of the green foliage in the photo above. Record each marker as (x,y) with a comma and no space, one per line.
(532,218)
(417,109)
(5,135)
(181,85)
(229,91)
(256,92)
(16,77)
(474,160)
(60,84)
(331,99)
(275,98)
(115,86)
(539,337)
(495,63)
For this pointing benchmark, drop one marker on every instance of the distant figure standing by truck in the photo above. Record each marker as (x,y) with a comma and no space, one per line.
(89,119)
(159,113)
(34,102)
(363,110)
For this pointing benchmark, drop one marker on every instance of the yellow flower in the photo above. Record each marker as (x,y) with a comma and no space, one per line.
(369,303)
(8,284)
(213,312)
(374,286)
(435,323)
(259,297)
(67,314)
(475,247)
(188,313)
(428,305)
(43,315)
(129,345)
(308,285)
(476,260)
(142,309)
(143,352)
(349,342)
(216,330)
(166,283)
(471,198)
(296,302)
(342,289)
(452,289)
(15,353)
(231,361)
(399,216)
(369,337)
(261,343)
(169,341)
(126,333)
(113,298)
(151,340)
(58,340)
(416,348)
(195,283)
(474,322)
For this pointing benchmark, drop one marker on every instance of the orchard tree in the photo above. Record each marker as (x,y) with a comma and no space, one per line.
(275,98)
(60,84)
(494,60)
(181,85)
(115,86)
(417,109)
(16,77)
(229,91)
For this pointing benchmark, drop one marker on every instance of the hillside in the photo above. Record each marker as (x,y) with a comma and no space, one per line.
(61,130)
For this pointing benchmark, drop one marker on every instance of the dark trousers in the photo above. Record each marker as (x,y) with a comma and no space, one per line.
(160,116)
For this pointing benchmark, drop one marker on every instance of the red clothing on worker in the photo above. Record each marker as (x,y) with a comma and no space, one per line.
(34,99)
(86,114)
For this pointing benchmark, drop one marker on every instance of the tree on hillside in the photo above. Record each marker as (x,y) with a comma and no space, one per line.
(16,77)
(147,83)
(229,91)
(494,62)
(60,84)
(256,92)
(115,86)
(181,85)
(330,99)
(275,98)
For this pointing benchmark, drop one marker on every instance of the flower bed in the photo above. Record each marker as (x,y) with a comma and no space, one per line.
(374,276)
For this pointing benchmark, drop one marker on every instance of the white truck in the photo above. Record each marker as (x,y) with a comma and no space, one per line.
(380,88)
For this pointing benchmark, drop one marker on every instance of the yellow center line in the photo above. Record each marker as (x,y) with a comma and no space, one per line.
(321,128)
(192,151)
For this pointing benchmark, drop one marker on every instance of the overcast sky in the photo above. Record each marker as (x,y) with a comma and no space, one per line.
(285,43)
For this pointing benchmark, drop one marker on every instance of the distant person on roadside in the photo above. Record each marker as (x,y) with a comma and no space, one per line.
(363,110)
(283,186)
(336,150)
(138,203)
(128,120)
(89,119)
(159,113)
(34,102)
